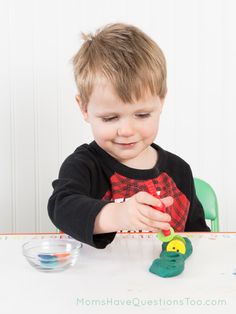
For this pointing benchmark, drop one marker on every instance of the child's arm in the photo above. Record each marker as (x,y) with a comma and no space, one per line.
(134,214)
(196,218)
(76,200)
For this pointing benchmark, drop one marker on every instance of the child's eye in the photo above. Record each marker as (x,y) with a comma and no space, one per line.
(143,115)
(108,119)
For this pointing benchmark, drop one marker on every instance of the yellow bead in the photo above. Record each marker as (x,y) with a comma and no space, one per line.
(176,245)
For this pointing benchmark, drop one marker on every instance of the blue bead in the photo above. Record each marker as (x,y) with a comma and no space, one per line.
(47,258)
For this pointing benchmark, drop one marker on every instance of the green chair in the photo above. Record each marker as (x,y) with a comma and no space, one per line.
(208,199)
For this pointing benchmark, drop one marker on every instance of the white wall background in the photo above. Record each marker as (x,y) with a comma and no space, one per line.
(41,125)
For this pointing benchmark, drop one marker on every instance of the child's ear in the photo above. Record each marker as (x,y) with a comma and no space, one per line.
(83,109)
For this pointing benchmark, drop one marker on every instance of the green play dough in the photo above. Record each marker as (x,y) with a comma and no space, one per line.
(171,264)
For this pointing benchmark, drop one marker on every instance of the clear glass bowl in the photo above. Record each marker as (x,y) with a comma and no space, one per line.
(51,255)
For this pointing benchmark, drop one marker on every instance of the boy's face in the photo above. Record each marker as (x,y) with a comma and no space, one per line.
(123,130)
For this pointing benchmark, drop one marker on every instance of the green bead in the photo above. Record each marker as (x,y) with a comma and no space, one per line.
(164,238)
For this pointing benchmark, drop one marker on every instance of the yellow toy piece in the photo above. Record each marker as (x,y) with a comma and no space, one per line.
(176,245)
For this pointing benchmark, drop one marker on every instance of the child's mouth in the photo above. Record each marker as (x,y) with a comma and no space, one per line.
(126,145)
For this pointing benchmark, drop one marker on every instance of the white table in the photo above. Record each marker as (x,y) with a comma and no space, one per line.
(117,280)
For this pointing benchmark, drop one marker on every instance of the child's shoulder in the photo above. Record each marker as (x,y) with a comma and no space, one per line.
(172,161)
(177,160)
(83,155)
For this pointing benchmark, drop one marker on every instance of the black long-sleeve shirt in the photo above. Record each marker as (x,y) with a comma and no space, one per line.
(90,178)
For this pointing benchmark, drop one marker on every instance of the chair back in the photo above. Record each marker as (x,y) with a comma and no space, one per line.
(208,199)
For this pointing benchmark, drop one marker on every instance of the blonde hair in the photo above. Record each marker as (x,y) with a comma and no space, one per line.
(125,56)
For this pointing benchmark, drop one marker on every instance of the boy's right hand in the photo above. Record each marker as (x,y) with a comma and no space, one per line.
(137,214)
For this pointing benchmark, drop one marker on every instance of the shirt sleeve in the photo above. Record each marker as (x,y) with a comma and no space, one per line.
(196,218)
(71,207)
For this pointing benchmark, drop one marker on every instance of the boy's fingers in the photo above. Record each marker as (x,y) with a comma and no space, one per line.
(168,201)
(154,225)
(147,212)
(148,199)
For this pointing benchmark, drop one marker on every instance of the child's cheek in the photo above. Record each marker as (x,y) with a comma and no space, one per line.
(105,132)
(150,130)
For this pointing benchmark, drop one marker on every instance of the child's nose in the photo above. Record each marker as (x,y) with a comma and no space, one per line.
(125,128)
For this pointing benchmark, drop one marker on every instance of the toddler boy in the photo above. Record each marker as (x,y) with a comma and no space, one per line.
(102,187)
